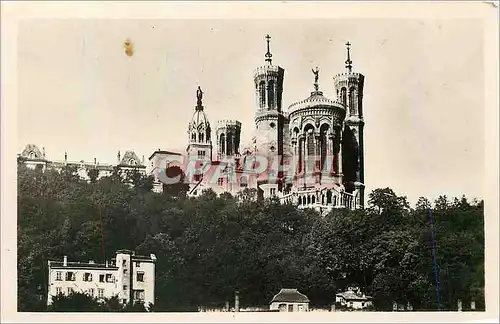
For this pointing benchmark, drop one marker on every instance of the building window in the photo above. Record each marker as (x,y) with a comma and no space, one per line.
(140,276)
(198,177)
(58,290)
(193,137)
(273,191)
(125,287)
(222,144)
(220,182)
(290,308)
(201,137)
(87,276)
(101,278)
(139,294)
(124,301)
(201,154)
(100,293)
(262,93)
(109,278)
(91,292)
(138,264)
(70,276)
(59,275)
(270,94)
(70,290)
(243,182)
(343,96)
(124,262)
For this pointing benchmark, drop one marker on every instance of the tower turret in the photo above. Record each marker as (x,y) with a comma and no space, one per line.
(269,119)
(349,88)
(199,132)
(228,138)
(268,81)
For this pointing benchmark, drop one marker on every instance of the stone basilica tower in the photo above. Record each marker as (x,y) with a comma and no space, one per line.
(199,132)
(349,89)
(269,118)
(228,138)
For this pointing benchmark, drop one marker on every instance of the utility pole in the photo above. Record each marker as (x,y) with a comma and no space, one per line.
(431,220)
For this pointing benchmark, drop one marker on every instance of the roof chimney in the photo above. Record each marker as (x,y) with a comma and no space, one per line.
(65,261)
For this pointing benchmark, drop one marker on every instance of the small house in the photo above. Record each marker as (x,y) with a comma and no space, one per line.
(289,300)
(353,298)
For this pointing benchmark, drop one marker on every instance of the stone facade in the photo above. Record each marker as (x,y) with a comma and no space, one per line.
(313,149)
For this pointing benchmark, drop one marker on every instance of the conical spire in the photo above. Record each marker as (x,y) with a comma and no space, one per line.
(348,62)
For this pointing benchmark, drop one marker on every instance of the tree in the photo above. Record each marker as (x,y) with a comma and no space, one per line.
(74,302)
(208,247)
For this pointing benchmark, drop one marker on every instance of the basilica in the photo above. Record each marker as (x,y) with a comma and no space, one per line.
(309,153)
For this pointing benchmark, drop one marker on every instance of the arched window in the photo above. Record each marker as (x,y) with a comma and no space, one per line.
(308,200)
(328,197)
(201,137)
(301,155)
(193,137)
(323,143)
(335,200)
(310,149)
(352,102)
(32,155)
(313,199)
(310,142)
(230,143)
(343,96)
(270,96)
(222,144)
(262,93)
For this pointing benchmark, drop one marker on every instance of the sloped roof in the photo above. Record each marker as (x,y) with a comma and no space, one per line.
(32,150)
(130,158)
(291,296)
(351,295)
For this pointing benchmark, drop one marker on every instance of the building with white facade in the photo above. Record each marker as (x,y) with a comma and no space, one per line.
(353,298)
(128,276)
(289,300)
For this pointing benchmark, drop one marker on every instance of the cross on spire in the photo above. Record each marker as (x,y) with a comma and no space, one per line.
(268,54)
(348,62)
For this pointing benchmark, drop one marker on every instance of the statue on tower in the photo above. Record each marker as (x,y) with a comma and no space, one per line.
(316,77)
(199,95)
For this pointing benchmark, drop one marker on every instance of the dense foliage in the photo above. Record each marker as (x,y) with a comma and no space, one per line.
(210,246)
